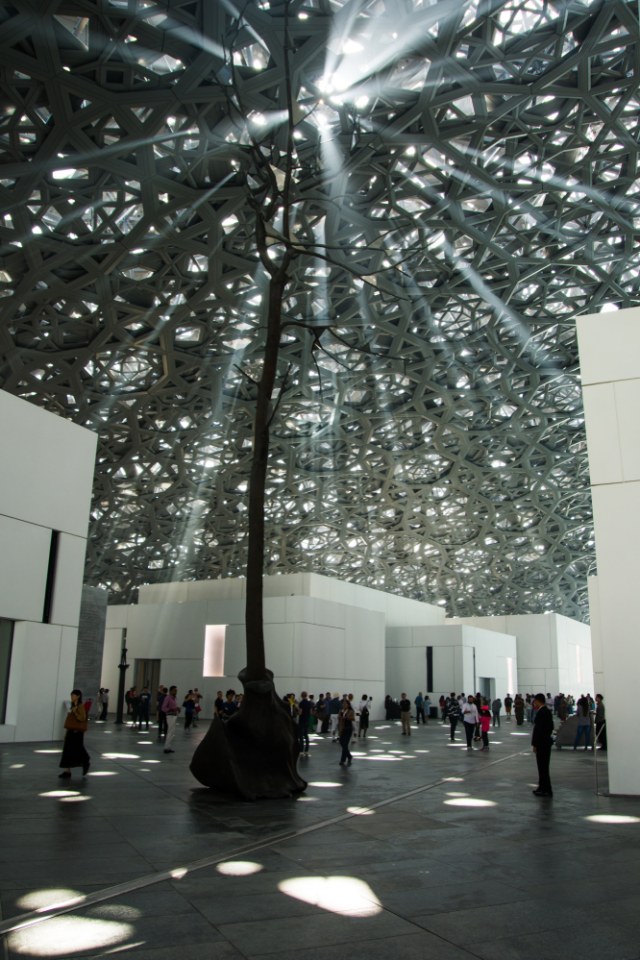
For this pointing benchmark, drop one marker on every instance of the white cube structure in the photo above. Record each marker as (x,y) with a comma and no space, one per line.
(609,346)
(45,495)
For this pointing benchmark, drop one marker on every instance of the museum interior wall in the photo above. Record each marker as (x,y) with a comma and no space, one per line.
(610,366)
(45,493)
(553,652)
(450,657)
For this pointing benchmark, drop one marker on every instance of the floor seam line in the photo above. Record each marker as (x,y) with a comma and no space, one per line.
(108,893)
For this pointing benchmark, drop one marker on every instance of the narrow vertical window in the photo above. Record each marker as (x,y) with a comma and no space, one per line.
(51,577)
(214,639)
(430,686)
(6,641)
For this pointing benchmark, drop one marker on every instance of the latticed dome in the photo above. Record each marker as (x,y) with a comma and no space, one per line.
(461,181)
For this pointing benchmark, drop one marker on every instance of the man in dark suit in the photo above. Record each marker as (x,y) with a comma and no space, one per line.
(542,743)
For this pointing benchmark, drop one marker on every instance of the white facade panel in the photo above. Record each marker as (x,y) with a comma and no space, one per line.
(610,354)
(47,467)
(24,561)
(67,588)
(45,485)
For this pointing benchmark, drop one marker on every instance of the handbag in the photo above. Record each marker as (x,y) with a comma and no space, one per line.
(71,722)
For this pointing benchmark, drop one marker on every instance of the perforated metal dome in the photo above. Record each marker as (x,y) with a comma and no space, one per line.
(465,184)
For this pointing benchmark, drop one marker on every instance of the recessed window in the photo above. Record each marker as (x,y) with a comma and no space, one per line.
(214,639)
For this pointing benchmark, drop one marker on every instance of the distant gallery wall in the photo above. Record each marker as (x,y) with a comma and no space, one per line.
(45,494)
(450,658)
(320,634)
(553,652)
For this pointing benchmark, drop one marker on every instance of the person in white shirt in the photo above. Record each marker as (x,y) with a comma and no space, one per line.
(363,716)
(470,717)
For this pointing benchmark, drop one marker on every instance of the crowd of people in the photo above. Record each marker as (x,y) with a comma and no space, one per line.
(343,720)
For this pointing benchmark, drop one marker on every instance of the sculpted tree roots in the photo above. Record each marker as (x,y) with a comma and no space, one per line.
(254,754)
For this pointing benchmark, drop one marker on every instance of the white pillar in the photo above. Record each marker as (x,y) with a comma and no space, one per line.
(609,345)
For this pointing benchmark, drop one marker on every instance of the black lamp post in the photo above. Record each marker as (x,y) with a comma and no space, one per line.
(123,666)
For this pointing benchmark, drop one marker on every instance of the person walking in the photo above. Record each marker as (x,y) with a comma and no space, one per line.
(419,702)
(508,704)
(363,710)
(485,724)
(189,707)
(405,715)
(144,707)
(541,742)
(346,719)
(518,709)
(162,719)
(496,707)
(304,719)
(470,718)
(171,710)
(584,723)
(454,714)
(601,723)
(74,753)
(334,715)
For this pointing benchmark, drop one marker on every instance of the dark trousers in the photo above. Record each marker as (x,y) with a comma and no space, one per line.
(469,729)
(419,714)
(543,759)
(496,720)
(103,714)
(345,740)
(453,722)
(162,723)
(303,736)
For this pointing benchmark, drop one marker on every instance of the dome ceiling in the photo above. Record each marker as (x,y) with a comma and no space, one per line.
(461,180)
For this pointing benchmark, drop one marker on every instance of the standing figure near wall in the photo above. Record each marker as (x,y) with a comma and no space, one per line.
(171,710)
(454,714)
(496,707)
(518,709)
(162,717)
(541,742)
(74,753)
(144,707)
(346,719)
(363,710)
(470,717)
(508,704)
(584,723)
(601,725)
(405,715)
(104,709)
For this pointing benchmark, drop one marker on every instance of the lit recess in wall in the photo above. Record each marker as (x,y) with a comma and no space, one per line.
(214,638)
(511,680)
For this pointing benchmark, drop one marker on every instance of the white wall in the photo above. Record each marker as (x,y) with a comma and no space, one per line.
(398,611)
(553,652)
(311,643)
(454,646)
(609,346)
(45,485)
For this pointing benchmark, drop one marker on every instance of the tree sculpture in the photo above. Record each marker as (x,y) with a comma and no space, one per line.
(295,171)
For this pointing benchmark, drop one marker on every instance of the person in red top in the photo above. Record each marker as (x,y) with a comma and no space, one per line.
(171,709)
(485,724)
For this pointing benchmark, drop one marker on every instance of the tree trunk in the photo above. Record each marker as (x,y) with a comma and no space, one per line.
(254,754)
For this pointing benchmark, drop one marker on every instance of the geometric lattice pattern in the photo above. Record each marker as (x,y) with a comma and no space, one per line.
(464,184)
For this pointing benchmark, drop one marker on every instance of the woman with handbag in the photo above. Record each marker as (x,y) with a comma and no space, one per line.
(73,749)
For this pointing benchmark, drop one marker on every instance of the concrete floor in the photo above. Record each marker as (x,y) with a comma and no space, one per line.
(419,850)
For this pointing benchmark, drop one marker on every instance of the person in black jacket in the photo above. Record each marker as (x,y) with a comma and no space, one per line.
(541,743)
